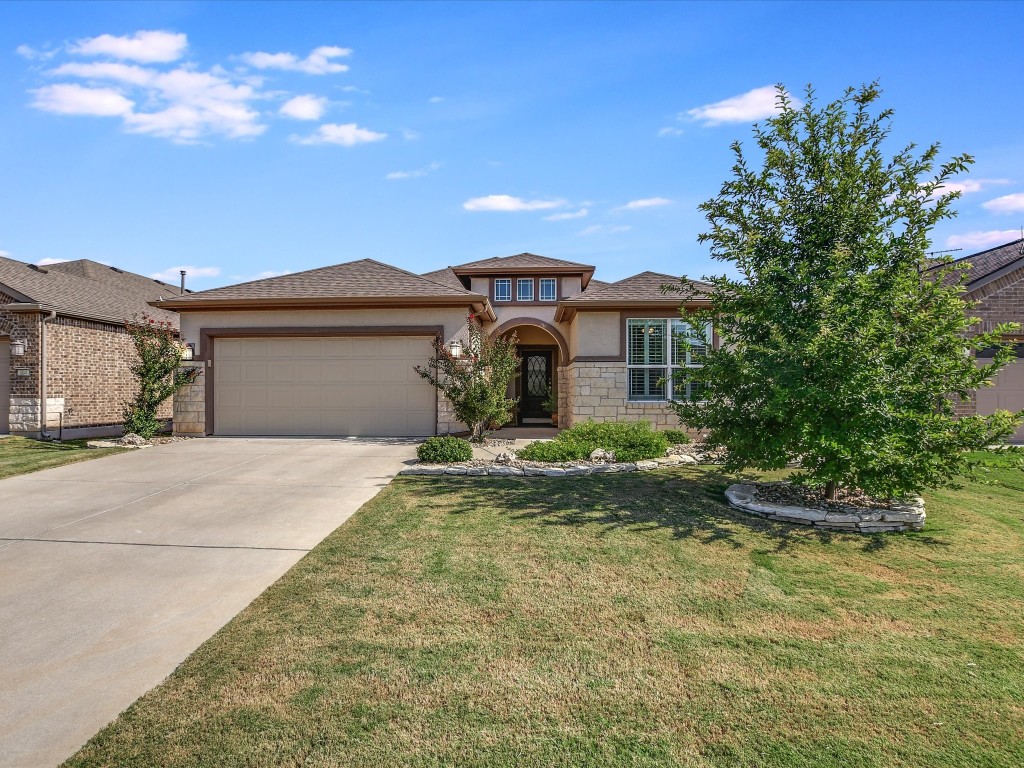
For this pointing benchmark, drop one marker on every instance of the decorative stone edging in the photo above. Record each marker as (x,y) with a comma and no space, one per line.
(540,470)
(901,517)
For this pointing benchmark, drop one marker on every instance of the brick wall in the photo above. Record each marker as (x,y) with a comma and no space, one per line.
(23,407)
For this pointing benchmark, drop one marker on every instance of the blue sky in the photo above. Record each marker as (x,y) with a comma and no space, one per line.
(244,139)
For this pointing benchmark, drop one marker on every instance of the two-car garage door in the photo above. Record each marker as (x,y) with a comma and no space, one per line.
(322,385)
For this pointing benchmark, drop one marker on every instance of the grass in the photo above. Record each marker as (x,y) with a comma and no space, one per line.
(627,620)
(19,455)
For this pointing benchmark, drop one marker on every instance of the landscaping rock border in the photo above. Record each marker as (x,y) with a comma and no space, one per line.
(909,516)
(532,469)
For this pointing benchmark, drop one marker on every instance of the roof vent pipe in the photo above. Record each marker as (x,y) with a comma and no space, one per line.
(182,282)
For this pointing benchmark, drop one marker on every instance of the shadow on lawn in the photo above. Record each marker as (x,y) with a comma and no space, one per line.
(690,505)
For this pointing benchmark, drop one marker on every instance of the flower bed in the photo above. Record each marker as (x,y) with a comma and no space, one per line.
(853,512)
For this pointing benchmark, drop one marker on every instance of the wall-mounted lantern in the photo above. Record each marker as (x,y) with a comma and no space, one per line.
(455,347)
(188,352)
(17,348)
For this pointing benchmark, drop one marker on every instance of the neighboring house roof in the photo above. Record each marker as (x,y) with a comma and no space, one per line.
(642,289)
(355,283)
(444,276)
(987,265)
(84,289)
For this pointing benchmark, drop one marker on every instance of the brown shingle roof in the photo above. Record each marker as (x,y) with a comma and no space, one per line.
(981,265)
(524,261)
(445,277)
(644,287)
(363,279)
(87,288)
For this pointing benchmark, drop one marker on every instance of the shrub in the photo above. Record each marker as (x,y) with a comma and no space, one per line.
(444,450)
(631,441)
(158,354)
(676,436)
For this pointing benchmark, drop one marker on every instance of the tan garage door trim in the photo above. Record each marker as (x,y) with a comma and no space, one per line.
(207,335)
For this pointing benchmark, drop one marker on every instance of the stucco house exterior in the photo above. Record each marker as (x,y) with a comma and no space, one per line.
(331,351)
(64,349)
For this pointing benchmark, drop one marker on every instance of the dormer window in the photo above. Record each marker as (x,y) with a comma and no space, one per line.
(548,289)
(503,289)
(524,289)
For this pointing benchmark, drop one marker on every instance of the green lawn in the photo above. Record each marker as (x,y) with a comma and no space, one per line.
(19,455)
(625,620)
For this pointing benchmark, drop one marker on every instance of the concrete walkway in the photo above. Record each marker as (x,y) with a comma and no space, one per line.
(113,571)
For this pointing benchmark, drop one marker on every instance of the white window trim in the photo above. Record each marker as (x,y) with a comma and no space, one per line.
(524,281)
(670,366)
(553,282)
(503,280)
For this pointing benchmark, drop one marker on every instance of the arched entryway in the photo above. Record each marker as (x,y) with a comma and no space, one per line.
(540,387)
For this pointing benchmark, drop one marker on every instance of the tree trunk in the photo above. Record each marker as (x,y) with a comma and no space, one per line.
(831,490)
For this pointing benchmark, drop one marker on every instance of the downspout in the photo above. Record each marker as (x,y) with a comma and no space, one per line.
(42,376)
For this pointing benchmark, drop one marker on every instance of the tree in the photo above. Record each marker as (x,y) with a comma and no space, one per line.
(476,383)
(157,373)
(841,347)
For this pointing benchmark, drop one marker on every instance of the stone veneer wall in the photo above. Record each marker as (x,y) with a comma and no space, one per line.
(597,391)
(190,404)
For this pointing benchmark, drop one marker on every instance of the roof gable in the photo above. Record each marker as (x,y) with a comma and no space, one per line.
(523,261)
(984,264)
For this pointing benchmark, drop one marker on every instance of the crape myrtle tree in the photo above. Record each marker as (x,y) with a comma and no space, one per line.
(843,348)
(476,382)
(157,373)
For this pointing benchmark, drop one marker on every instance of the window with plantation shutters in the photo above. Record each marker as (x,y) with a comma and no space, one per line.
(657,351)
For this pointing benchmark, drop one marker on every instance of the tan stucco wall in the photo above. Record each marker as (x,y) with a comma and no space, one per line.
(596,333)
(452,318)
(571,286)
(480,285)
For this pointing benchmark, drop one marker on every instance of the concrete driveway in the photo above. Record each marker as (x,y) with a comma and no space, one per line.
(113,571)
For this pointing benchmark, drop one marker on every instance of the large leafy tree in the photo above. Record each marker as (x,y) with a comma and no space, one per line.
(476,383)
(842,346)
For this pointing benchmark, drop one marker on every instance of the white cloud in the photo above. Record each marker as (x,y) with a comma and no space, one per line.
(967,186)
(47,262)
(647,202)
(395,175)
(70,99)
(5,254)
(346,135)
(1006,204)
(319,62)
(173,274)
(307,107)
(34,54)
(580,214)
(184,105)
(983,239)
(509,203)
(604,229)
(149,47)
(435,99)
(752,105)
(670,131)
(354,89)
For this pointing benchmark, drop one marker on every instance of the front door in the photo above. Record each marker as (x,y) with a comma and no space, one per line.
(536,383)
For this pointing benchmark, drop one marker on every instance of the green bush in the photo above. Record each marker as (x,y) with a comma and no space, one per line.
(444,450)
(676,436)
(631,441)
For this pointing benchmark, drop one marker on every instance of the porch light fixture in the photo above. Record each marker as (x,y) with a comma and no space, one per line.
(188,352)
(17,348)
(455,347)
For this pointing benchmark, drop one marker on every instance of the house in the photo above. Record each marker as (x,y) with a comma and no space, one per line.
(332,351)
(995,280)
(64,349)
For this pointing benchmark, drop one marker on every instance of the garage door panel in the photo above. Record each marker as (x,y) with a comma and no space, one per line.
(322,386)
(1006,393)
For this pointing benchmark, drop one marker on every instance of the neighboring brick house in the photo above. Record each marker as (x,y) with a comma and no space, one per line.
(332,351)
(995,280)
(68,319)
